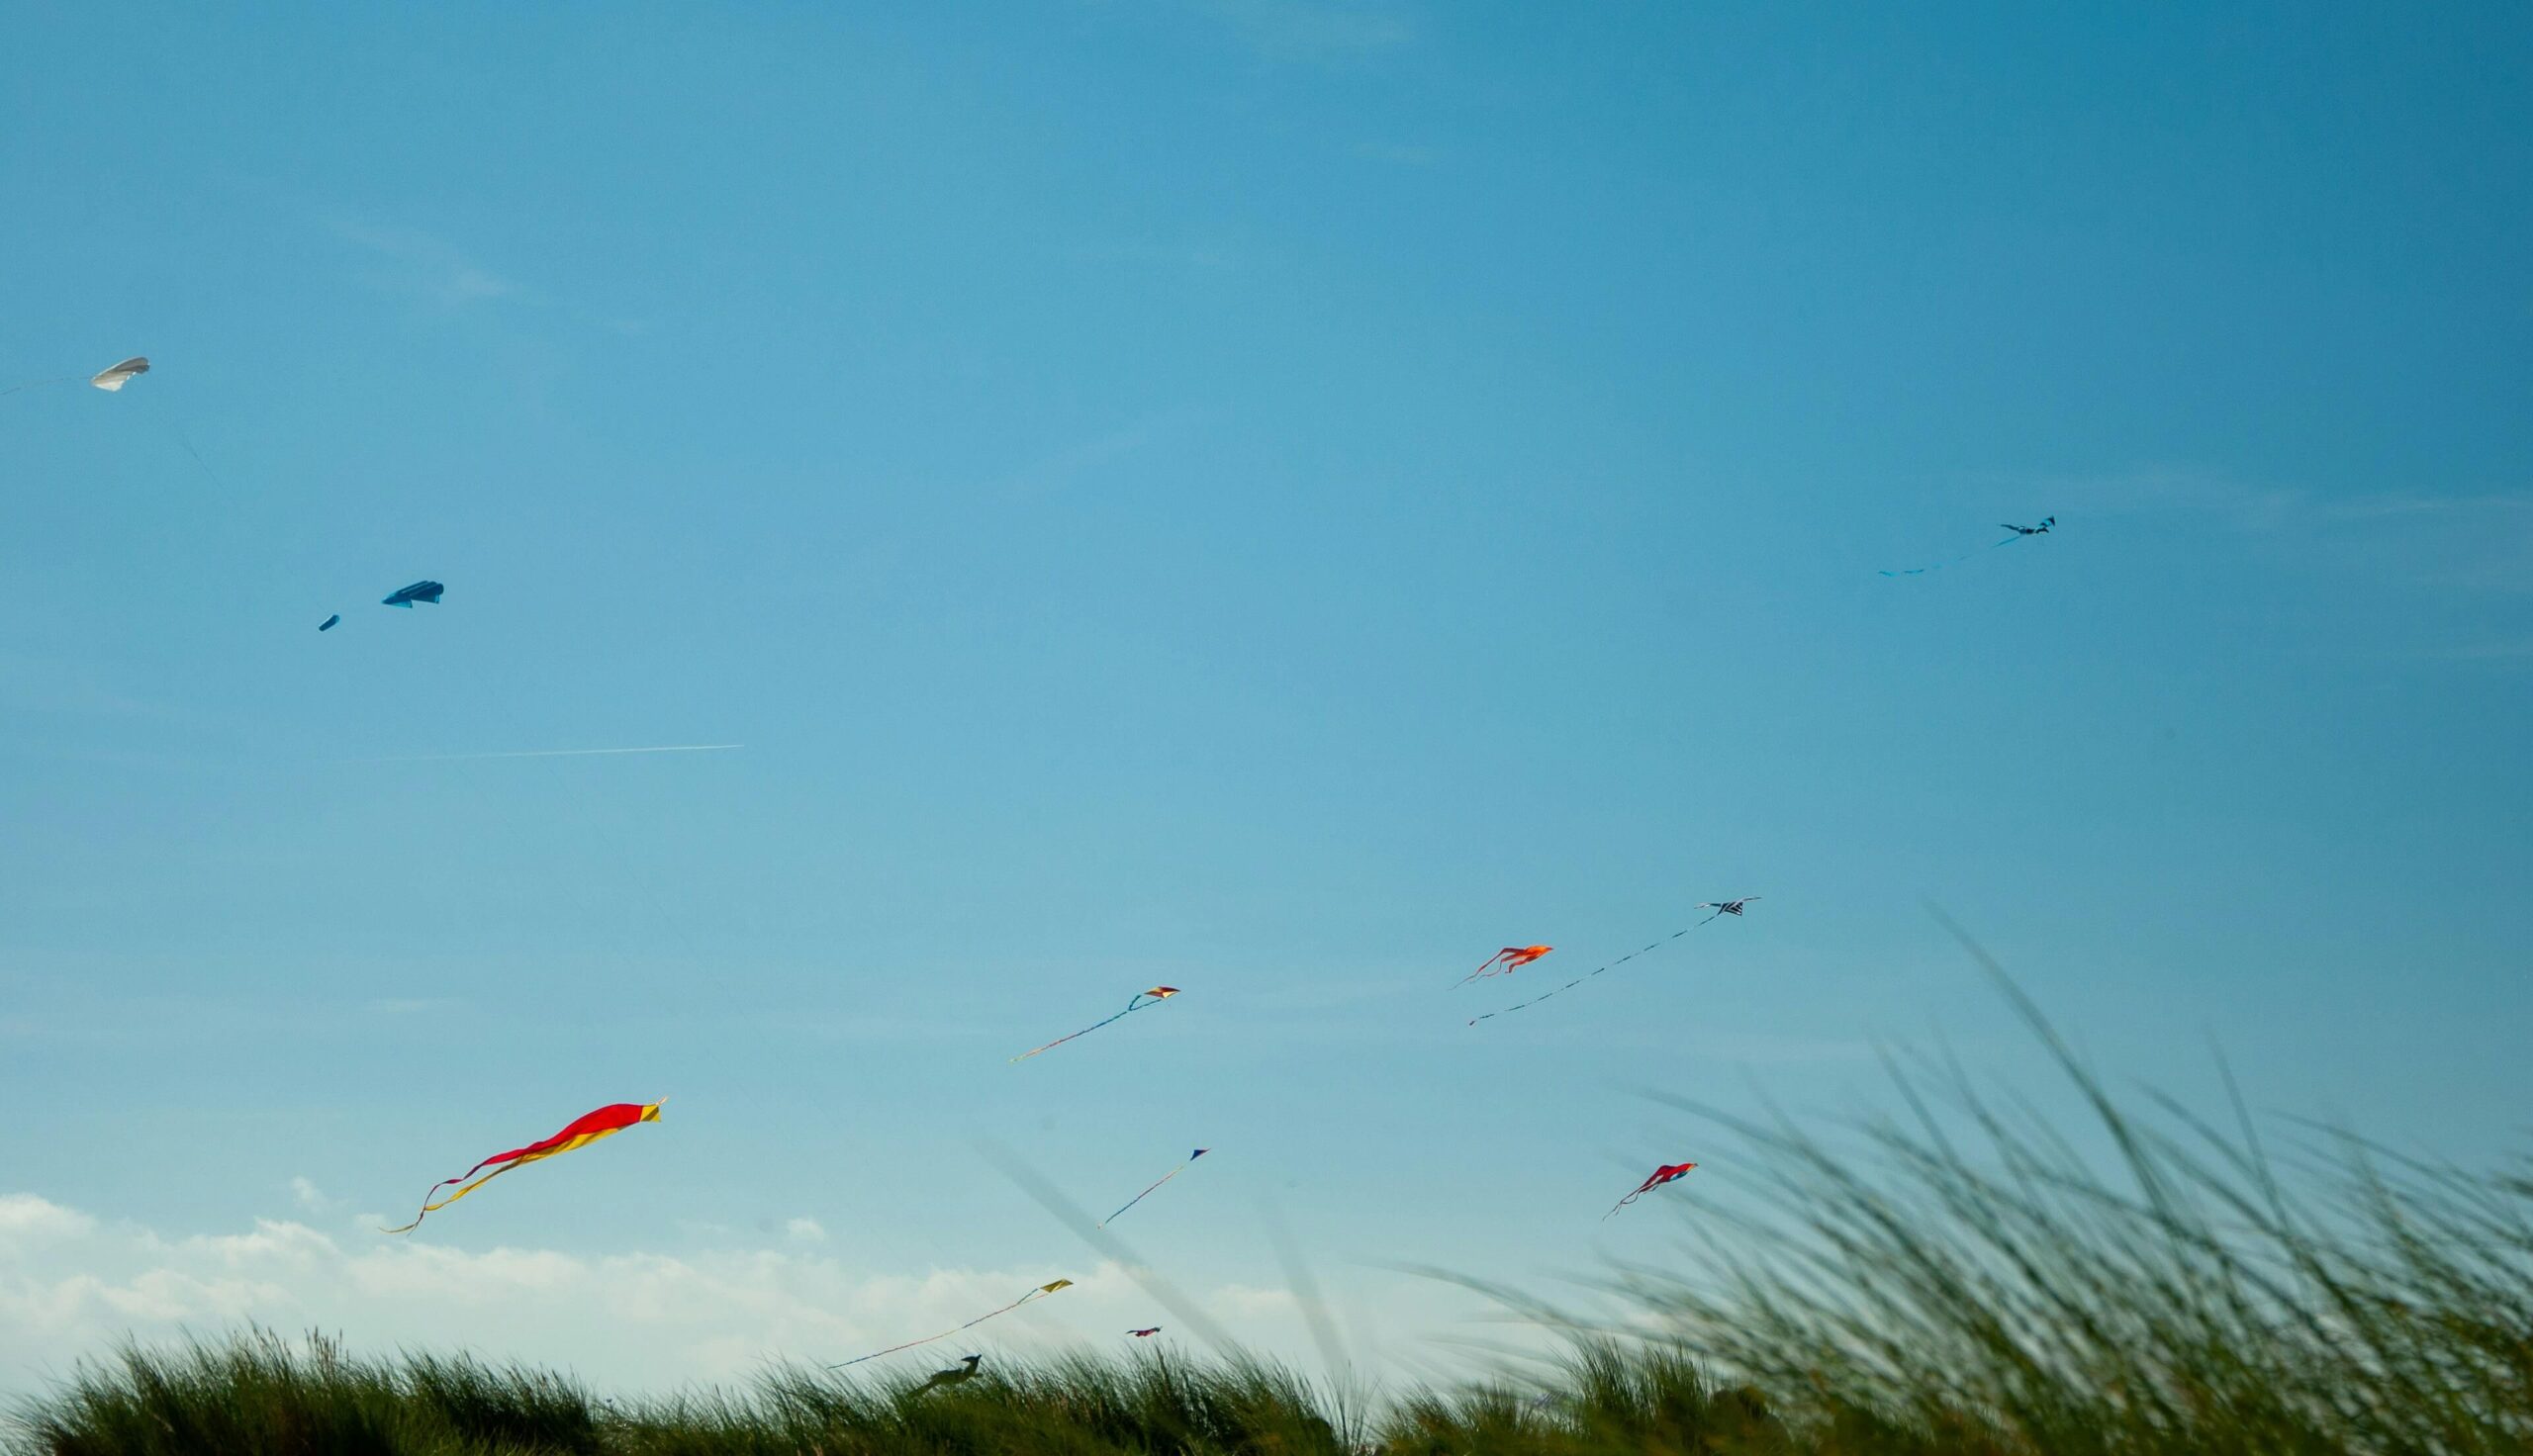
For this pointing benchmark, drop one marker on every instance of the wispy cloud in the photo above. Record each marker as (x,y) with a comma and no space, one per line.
(413,263)
(2477,540)
(555,753)
(72,1285)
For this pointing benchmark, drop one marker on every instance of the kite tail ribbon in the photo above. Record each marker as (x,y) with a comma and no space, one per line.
(1164,1178)
(1141,999)
(1040,1292)
(1585,976)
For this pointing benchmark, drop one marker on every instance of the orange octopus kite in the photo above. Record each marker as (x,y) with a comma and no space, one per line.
(1507,960)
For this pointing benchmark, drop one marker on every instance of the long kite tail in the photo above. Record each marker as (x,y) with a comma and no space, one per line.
(1147,1193)
(1040,1292)
(1481,968)
(1585,976)
(429,1208)
(1622,1203)
(1141,1000)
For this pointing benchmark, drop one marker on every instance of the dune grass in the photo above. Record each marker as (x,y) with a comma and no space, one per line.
(1959,1281)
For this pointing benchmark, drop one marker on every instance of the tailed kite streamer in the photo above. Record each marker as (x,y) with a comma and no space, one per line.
(580,1133)
(1164,1178)
(1660,1175)
(1141,999)
(1720,907)
(1041,1292)
(1506,962)
(2016,535)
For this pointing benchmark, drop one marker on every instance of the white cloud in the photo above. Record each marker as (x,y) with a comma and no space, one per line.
(309,1196)
(72,1286)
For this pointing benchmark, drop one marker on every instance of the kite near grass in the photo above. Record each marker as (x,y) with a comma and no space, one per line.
(1041,1292)
(2020,532)
(1145,1333)
(1505,962)
(1164,1178)
(406,596)
(584,1131)
(1720,907)
(1141,999)
(1662,1175)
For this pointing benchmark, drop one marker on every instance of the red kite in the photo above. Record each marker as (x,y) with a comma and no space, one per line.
(581,1132)
(1720,907)
(1662,1175)
(1141,999)
(1145,1333)
(1507,960)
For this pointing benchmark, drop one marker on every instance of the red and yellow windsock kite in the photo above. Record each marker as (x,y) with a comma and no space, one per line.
(581,1132)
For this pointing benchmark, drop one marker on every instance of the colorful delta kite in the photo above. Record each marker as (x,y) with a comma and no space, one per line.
(1720,907)
(1506,962)
(2019,532)
(1041,1292)
(1145,1333)
(1164,1178)
(1662,1175)
(406,596)
(1141,999)
(583,1132)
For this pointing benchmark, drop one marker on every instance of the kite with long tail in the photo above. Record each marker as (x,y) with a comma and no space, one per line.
(581,1132)
(1141,999)
(1041,1292)
(1720,907)
(1662,1175)
(2018,533)
(1164,1178)
(1506,962)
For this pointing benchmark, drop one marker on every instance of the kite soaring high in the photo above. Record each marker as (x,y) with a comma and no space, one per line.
(1164,1178)
(109,379)
(2020,532)
(1662,1175)
(1505,962)
(583,1131)
(1040,1292)
(1720,907)
(406,596)
(1138,1002)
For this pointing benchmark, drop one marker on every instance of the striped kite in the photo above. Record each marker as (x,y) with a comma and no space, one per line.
(1040,1292)
(1662,1175)
(1164,1178)
(582,1132)
(1507,960)
(1141,999)
(1720,907)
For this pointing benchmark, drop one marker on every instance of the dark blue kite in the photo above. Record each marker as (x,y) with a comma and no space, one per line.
(406,596)
(327,626)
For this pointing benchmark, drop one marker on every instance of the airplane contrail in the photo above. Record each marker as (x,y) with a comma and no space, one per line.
(555,753)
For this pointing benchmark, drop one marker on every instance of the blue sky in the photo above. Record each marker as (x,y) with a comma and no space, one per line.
(1276,496)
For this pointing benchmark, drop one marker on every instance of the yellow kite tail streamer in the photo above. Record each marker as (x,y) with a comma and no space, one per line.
(1040,1292)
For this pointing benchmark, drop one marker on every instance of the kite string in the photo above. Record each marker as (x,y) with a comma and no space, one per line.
(1587,975)
(1147,1193)
(945,1335)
